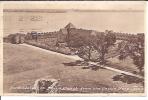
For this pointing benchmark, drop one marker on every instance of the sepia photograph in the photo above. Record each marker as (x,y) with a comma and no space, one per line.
(74,48)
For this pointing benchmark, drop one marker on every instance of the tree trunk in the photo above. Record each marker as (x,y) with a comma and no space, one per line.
(102,58)
(89,53)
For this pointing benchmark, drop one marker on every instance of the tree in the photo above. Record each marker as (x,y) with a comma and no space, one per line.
(135,49)
(86,43)
(102,44)
(138,53)
(86,47)
(110,38)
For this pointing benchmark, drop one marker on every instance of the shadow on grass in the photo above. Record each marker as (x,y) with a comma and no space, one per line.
(77,63)
(128,79)
(85,65)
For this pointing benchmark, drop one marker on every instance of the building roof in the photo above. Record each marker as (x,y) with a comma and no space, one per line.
(70,25)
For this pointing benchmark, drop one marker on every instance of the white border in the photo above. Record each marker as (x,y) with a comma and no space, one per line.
(74,5)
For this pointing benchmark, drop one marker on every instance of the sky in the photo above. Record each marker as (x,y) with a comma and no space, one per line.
(128,18)
(101,5)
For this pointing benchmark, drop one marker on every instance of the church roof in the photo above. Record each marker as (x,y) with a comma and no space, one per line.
(70,25)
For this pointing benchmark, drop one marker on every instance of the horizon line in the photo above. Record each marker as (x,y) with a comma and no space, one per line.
(69,10)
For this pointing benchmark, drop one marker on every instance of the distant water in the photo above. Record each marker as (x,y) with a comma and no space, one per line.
(132,22)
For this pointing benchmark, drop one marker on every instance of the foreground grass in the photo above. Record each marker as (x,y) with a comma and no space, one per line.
(23,65)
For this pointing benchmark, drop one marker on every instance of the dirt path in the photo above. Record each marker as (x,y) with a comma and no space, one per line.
(78,58)
(75,57)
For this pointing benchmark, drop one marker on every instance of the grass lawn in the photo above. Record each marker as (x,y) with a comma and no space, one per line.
(23,65)
(125,65)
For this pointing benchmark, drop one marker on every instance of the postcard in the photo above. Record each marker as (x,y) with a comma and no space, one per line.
(76,48)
